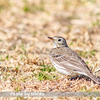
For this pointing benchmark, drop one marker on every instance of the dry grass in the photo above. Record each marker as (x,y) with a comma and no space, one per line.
(24,46)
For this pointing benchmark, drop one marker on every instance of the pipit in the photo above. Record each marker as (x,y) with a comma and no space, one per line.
(67,61)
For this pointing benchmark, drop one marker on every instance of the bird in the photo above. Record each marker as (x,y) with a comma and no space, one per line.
(67,61)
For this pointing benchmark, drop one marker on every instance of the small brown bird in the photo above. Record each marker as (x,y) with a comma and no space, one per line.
(67,61)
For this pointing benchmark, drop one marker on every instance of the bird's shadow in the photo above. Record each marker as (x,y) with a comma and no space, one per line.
(82,77)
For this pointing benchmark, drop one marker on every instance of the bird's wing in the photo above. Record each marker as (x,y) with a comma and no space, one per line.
(73,62)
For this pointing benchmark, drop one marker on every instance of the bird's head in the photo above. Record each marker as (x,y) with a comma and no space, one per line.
(58,41)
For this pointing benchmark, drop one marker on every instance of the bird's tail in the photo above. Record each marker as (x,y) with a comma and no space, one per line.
(94,78)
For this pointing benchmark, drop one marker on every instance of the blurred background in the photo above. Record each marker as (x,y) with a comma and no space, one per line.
(30,22)
(25,26)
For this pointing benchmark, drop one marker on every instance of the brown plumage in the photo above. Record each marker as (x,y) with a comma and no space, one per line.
(67,61)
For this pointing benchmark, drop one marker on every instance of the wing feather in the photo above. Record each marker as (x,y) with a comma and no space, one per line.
(70,63)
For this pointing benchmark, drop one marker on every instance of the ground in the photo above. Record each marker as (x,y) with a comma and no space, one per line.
(24,46)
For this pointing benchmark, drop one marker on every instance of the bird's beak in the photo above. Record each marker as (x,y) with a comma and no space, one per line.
(51,38)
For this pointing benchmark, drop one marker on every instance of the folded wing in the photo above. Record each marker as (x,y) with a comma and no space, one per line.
(78,65)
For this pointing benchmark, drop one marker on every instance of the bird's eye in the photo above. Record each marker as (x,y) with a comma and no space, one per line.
(59,39)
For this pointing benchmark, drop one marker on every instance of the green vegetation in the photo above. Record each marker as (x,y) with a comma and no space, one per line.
(87,54)
(17,89)
(96,23)
(1,58)
(47,68)
(4,4)
(32,7)
(45,72)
